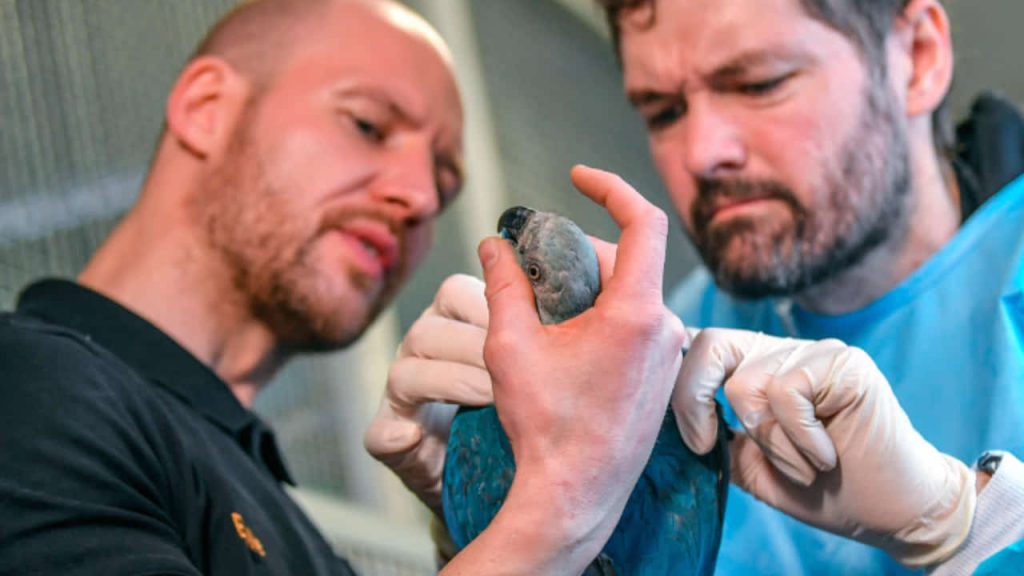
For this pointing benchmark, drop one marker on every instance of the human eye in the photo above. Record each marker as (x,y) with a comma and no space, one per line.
(448,180)
(366,118)
(762,88)
(370,129)
(662,116)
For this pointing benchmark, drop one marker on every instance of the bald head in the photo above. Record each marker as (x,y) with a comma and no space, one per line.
(309,147)
(257,36)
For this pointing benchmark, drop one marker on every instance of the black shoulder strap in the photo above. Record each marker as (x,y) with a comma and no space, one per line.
(990,150)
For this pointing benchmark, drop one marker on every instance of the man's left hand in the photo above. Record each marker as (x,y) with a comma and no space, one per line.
(439,366)
(825,441)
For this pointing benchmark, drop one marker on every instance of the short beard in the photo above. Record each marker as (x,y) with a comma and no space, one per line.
(267,251)
(867,205)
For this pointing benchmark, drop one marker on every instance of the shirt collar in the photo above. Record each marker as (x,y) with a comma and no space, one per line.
(157,358)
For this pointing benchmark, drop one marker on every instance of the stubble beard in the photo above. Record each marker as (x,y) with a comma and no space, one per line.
(269,254)
(866,194)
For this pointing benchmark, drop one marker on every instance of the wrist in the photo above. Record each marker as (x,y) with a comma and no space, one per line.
(944,527)
(981,479)
(996,523)
(534,532)
(565,512)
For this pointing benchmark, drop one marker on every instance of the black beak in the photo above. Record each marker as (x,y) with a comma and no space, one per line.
(512,222)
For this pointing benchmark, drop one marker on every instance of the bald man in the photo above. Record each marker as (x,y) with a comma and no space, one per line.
(309,147)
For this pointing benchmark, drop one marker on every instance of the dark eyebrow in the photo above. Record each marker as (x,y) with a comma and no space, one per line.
(639,98)
(734,68)
(740,65)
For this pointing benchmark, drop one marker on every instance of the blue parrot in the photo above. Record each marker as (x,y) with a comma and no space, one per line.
(672,523)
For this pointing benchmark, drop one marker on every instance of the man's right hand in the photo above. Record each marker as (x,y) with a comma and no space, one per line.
(581,401)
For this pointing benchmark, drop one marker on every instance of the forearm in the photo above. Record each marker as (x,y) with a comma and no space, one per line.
(539,530)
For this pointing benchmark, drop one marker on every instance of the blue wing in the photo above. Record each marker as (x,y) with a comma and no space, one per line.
(478,472)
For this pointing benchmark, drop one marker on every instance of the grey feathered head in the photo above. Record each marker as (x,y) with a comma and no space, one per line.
(557,257)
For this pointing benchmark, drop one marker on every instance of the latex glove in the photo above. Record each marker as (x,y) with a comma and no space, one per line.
(439,366)
(558,387)
(825,441)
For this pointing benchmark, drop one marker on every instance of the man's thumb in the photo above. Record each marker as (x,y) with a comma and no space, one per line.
(508,291)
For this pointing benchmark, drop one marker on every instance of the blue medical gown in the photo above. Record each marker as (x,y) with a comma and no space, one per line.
(1009,560)
(950,339)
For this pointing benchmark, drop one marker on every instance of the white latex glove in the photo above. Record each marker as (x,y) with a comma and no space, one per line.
(826,442)
(439,366)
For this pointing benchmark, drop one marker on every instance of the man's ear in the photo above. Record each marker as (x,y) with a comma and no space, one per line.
(923,34)
(204,104)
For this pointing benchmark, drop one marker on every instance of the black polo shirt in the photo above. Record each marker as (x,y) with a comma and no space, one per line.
(121,453)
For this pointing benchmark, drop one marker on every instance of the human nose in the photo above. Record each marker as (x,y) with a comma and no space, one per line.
(713,142)
(410,183)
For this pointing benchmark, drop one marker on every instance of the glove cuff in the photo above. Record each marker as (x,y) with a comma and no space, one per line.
(996,521)
(941,530)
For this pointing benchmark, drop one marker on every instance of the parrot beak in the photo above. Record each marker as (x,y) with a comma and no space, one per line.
(512,222)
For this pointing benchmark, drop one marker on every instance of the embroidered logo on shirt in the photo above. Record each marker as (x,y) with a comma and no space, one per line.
(246,535)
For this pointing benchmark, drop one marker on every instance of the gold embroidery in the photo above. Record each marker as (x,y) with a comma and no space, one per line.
(246,535)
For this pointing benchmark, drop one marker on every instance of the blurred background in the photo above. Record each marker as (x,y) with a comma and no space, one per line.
(82,90)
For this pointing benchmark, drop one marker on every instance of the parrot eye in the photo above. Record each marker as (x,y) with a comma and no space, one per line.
(533,271)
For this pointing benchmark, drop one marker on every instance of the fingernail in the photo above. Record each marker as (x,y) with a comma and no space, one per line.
(488,253)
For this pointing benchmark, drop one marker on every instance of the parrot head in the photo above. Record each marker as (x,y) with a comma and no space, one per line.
(557,257)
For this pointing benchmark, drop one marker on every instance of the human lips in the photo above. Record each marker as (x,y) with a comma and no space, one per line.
(726,208)
(373,246)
